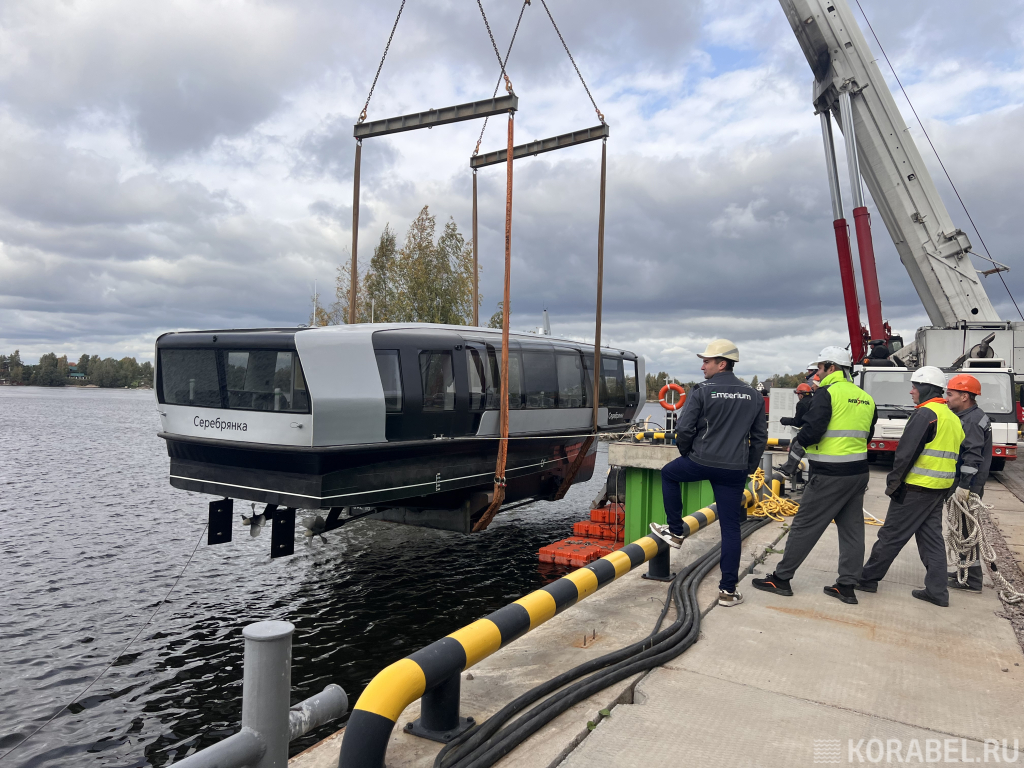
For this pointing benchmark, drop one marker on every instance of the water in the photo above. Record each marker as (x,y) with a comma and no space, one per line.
(93,536)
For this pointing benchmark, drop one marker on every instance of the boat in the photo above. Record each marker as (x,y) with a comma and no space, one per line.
(399,418)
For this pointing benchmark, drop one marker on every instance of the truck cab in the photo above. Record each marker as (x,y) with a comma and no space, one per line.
(890,389)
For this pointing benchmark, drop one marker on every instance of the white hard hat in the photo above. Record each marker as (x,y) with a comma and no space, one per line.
(812,366)
(836,355)
(929,374)
(721,348)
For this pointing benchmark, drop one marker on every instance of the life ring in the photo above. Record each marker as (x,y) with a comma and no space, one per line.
(676,405)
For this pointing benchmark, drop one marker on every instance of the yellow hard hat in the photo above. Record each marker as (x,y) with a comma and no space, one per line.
(721,348)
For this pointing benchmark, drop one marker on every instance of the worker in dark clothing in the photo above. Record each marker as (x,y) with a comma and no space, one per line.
(803,403)
(974,463)
(834,440)
(923,471)
(721,433)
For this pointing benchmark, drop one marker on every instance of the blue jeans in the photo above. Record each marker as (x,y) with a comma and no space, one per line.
(727,485)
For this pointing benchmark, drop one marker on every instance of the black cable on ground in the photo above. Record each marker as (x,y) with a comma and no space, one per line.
(489,741)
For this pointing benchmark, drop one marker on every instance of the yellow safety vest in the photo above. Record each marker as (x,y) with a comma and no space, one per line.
(936,466)
(846,438)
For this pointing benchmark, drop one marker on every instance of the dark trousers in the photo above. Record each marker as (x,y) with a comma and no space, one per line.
(727,485)
(920,516)
(827,498)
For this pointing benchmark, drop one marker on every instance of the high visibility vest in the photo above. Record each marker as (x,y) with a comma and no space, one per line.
(936,466)
(846,438)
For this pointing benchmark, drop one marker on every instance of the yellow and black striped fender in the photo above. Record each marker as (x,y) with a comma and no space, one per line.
(399,685)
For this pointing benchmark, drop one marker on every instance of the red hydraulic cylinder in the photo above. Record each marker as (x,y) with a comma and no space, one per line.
(850,288)
(862,222)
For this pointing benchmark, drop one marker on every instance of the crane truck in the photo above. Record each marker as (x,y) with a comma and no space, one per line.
(966,333)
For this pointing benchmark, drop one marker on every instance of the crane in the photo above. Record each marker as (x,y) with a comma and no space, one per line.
(966,330)
(848,87)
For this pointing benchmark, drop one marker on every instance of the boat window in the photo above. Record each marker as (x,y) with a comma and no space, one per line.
(570,380)
(541,378)
(438,381)
(476,360)
(613,381)
(390,369)
(493,384)
(189,377)
(248,380)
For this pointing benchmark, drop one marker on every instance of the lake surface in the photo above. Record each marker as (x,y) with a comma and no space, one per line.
(93,536)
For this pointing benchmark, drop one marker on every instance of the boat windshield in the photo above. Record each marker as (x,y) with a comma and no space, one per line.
(236,379)
(891,389)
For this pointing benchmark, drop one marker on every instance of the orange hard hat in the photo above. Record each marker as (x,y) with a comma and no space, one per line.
(803,387)
(964,383)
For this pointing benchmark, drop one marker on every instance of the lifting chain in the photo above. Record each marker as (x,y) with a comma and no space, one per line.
(476,150)
(494,45)
(571,59)
(362,115)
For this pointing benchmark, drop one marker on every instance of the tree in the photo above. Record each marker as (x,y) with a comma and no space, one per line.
(83,365)
(385,296)
(48,372)
(498,317)
(655,383)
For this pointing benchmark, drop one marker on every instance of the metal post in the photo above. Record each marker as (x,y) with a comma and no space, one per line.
(766,467)
(842,233)
(476,271)
(659,567)
(439,713)
(862,222)
(355,232)
(600,284)
(266,688)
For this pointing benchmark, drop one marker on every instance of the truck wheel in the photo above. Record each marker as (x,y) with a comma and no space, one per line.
(998,464)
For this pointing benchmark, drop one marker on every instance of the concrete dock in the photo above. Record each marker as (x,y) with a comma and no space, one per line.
(777,681)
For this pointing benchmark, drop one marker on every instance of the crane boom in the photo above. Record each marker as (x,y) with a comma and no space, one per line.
(934,251)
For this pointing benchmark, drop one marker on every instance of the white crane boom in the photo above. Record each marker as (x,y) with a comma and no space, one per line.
(934,251)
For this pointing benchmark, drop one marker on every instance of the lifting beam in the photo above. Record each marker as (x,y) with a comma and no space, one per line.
(428,119)
(543,145)
(471,111)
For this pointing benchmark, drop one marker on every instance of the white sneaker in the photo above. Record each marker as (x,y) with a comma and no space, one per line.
(663,533)
(729,599)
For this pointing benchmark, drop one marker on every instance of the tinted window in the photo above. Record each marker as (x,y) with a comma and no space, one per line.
(390,369)
(570,380)
(238,379)
(541,384)
(478,365)
(613,381)
(189,377)
(438,381)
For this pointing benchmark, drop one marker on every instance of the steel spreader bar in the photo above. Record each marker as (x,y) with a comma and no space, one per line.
(543,145)
(430,118)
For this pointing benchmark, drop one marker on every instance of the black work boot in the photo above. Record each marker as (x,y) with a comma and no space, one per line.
(772,583)
(922,594)
(866,586)
(842,592)
(974,580)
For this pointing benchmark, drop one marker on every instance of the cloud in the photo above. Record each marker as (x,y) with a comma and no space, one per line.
(190,165)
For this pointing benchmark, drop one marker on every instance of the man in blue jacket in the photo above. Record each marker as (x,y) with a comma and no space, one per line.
(721,433)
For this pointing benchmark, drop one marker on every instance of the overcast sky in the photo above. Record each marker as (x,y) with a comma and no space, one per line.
(188,164)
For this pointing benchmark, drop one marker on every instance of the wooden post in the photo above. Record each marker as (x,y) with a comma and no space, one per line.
(600,282)
(476,269)
(355,233)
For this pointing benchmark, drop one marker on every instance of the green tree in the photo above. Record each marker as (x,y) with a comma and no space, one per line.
(498,317)
(83,365)
(48,372)
(385,294)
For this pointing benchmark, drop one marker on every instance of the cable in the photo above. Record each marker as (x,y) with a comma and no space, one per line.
(970,544)
(116,658)
(497,85)
(488,742)
(362,115)
(936,152)
(504,74)
(571,59)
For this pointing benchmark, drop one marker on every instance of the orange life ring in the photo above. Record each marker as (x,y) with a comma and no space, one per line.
(676,405)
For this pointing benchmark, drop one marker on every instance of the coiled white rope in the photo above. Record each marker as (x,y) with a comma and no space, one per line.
(971,545)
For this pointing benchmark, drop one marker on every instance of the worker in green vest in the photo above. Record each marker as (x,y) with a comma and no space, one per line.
(834,439)
(923,471)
